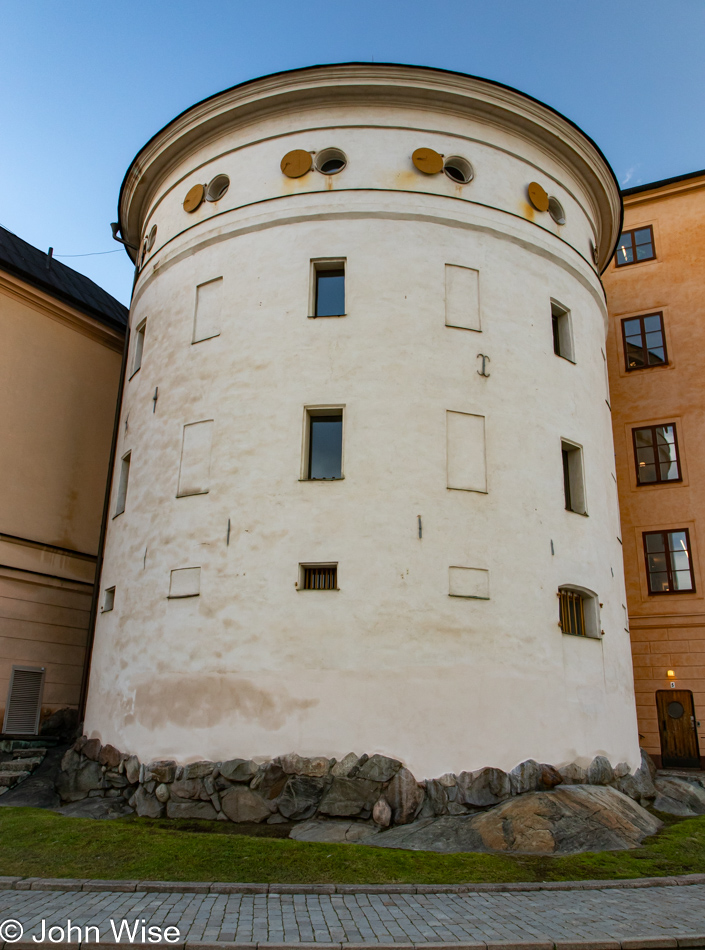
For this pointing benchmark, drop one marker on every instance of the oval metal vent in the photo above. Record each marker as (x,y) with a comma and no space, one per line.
(296,163)
(194,198)
(427,161)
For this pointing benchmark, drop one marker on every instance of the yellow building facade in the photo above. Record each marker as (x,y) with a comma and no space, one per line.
(657,384)
(60,360)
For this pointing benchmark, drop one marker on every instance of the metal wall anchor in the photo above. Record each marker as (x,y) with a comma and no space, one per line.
(485,360)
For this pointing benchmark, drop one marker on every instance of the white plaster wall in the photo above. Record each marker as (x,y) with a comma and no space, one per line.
(390,662)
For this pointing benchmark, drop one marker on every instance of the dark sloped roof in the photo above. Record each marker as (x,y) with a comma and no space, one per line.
(21,259)
(660,184)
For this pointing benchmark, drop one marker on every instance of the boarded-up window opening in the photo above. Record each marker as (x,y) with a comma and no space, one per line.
(24,701)
(462,297)
(320,577)
(195,468)
(209,303)
(466,451)
(185,582)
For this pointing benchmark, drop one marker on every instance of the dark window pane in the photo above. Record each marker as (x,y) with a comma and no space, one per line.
(633,327)
(326,445)
(651,323)
(330,293)
(566,480)
(654,542)
(643,437)
(635,356)
(656,356)
(654,340)
(644,251)
(659,582)
(645,455)
(646,473)
(642,236)
(556,335)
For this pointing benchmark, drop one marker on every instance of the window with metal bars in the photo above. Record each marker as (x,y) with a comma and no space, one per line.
(571,613)
(320,577)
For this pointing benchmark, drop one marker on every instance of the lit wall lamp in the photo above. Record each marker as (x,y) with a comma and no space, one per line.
(671,674)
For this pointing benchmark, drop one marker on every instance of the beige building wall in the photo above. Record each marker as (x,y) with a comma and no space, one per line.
(59,373)
(667,629)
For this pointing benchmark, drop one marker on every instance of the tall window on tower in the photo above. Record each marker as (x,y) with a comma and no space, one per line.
(328,289)
(324,444)
(573,479)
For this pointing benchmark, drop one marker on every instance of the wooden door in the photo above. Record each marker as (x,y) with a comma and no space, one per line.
(678,729)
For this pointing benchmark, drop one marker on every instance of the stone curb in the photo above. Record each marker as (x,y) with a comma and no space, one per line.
(693,942)
(223,887)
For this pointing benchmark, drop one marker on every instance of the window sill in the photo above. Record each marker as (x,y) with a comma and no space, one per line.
(568,359)
(316,590)
(188,494)
(181,596)
(340,479)
(118,513)
(204,338)
(468,596)
(581,636)
(134,373)
(572,511)
(325,316)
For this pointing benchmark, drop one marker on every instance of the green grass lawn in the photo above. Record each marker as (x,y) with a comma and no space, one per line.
(37,843)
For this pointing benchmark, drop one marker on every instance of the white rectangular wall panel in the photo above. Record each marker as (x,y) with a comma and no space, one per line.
(472,582)
(462,297)
(195,470)
(209,303)
(467,466)
(185,582)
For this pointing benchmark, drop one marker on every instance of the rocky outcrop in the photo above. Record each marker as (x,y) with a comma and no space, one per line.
(298,788)
(679,796)
(566,820)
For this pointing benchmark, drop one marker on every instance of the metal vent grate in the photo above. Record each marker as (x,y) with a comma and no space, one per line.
(24,701)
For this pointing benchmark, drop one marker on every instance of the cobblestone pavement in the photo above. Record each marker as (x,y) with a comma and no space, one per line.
(374,918)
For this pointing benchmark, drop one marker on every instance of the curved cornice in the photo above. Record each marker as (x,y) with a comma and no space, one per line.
(371,83)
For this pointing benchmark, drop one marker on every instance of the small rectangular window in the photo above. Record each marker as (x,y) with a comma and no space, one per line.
(579,612)
(573,479)
(324,443)
(644,341)
(319,577)
(572,614)
(185,582)
(669,564)
(562,332)
(108,599)
(329,288)
(656,454)
(139,347)
(635,246)
(122,484)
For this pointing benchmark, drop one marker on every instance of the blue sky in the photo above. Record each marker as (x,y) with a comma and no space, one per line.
(84,84)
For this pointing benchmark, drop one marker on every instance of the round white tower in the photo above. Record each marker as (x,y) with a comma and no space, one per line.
(365,455)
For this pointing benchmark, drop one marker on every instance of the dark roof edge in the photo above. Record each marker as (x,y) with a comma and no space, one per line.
(652,185)
(68,298)
(438,69)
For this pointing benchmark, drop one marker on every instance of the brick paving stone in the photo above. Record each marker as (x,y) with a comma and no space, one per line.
(212,915)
